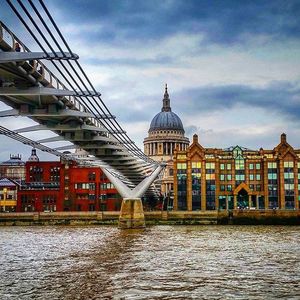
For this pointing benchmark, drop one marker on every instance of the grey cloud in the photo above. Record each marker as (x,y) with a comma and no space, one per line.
(278,97)
(221,22)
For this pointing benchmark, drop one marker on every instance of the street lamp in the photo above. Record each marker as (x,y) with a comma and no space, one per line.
(4,199)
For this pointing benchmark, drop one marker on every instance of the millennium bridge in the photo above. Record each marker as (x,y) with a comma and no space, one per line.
(50,87)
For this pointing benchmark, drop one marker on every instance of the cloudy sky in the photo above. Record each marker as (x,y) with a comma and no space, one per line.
(232,67)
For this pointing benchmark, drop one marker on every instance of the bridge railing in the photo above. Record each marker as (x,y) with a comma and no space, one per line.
(40,71)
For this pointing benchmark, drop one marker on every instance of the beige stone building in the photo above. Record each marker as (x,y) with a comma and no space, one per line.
(237,177)
(166,133)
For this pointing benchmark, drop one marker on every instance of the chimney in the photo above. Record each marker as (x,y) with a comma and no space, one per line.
(195,138)
(283,138)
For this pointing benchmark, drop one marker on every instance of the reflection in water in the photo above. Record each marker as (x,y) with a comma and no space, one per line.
(160,262)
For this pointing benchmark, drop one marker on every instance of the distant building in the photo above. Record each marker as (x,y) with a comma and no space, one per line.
(14,168)
(8,195)
(237,178)
(166,133)
(33,156)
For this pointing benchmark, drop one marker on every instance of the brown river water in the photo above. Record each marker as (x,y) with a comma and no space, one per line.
(160,262)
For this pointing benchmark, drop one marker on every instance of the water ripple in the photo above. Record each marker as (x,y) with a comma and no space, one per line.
(161,262)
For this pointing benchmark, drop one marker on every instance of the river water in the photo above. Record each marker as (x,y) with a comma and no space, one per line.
(160,262)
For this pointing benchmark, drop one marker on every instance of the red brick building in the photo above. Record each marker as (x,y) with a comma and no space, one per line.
(65,186)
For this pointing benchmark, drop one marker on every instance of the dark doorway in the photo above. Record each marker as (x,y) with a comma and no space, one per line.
(253,201)
(242,199)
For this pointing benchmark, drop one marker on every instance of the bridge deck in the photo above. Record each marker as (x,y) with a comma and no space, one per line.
(31,89)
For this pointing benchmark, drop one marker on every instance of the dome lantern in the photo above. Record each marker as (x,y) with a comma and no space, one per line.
(166,101)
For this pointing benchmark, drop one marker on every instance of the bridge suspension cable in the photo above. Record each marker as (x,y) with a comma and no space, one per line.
(74,75)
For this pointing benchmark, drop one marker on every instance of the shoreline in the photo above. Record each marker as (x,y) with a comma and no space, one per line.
(233,217)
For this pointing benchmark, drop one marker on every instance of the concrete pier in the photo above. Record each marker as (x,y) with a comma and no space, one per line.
(132,214)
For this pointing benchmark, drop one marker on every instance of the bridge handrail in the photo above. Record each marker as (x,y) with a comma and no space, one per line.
(48,78)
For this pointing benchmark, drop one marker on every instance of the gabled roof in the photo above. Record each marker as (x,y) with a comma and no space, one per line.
(5,182)
(284,148)
(241,186)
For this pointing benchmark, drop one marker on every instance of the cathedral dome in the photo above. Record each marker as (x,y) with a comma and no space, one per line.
(166,119)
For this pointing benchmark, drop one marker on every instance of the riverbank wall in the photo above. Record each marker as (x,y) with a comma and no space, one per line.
(238,217)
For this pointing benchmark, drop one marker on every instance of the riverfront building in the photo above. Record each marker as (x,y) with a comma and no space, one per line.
(236,178)
(14,168)
(66,186)
(166,133)
(8,195)
(58,186)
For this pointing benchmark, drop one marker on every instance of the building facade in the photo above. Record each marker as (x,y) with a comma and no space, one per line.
(65,186)
(166,133)
(8,195)
(236,178)
(14,168)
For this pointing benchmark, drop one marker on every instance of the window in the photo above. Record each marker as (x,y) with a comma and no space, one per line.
(251,166)
(196,185)
(222,166)
(103,197)
(181,187)
(181,166)
(54,173)
(228,177)
(288,175)
(78,186)
(237,152)
(251,177)
(257,176)
(92,176)
(110,186)
(289,187)
(228,166)
(239,164)
(272,176)
(103,186)
(210,166)
(272,165)
(229,187)
(240,177)
(258,187)
(210,171)
(181,156)
(288,164)
(196,167)
(210,176)
(92,196)
(257,166)
(222,187)
(222,177)
(210,194)
(272,185)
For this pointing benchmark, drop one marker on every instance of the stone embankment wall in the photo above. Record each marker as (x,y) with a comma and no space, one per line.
(284,217)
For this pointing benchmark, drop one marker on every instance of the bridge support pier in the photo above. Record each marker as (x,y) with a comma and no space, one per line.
(132,214)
